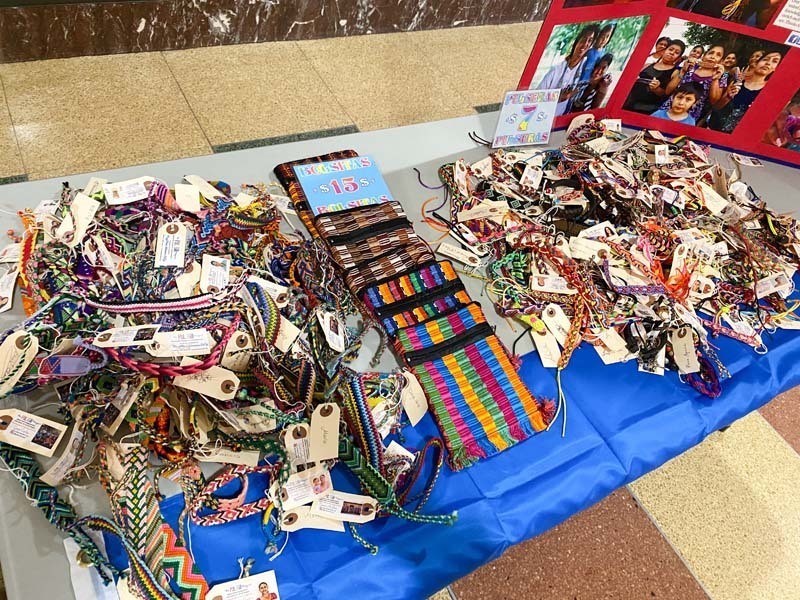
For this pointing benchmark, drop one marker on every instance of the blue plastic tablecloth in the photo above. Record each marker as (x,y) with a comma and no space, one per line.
(621,424)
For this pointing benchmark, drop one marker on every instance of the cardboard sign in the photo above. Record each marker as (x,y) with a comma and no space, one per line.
(526,118)
(342,184)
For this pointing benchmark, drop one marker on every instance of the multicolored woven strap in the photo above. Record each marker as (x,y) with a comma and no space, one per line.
(413,284)
(428,334)
(479,401)
(423,312)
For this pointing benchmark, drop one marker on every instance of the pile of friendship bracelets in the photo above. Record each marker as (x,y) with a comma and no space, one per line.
(179,326)
(638,245)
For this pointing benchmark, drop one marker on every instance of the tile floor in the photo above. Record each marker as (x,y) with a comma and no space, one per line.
(721,521)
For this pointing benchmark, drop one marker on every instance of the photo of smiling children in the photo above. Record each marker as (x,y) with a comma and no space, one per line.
(584,60)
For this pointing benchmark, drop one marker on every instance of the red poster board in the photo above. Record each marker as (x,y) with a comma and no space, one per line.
(758,114)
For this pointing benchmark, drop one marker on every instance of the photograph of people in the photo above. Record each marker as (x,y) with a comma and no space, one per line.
(681,103)
(573,53)
(725,86)
(264,593)
(658,52)
(650,88)
(694,56)
(707,73)
(596,90)
(740,94)
(785,131)
(598,50)
(755,13)
(566,74)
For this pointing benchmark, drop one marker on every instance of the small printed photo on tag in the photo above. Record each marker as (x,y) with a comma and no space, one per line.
(263,586)
(747,161)
(662,154)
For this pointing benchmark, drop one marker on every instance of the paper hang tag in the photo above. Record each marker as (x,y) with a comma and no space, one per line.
(531,176)
(701,287)
(604,229)
(10,254)
(380,414)
(110,261)
(186,281)
(170,245)
(214,274)
(772,284)
(287,335)
(489,209)
(229,456)
(460,254)
(304,487)
(669,196)
(8,282)
(551,283)
(712,200)
(187,198)
(746,161)
(56,473)
(208,191)
(186,342)
(238,352)
(352,508)
(297,441)
(118,408)
(599,145)
(126,336)
(254,587)
(125,192)
(460,176)
(586,249)
(243,200)
(94,185)
(74,226)
(324,444)
(395,449)
(609,356)
(661,152)
(302,518)
(482,168)
(30,432)
(279,293)
(15,358)
(557,322)
(332,330)
(683,350)
(413,398)
(612,340)
(546,347)
(614,125)
(214,382)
